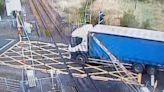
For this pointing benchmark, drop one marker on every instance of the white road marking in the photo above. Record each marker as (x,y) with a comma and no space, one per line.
(96,75)
(11,41)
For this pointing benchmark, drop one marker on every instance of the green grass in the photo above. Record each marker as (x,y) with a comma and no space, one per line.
(2,8)
(149,15)
(41,31)
(48,34)
(80,14)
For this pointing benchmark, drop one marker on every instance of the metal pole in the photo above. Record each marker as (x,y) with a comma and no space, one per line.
(52,79)
(6,84)
(23,86)
(99,18)
(41,88)
(152,79)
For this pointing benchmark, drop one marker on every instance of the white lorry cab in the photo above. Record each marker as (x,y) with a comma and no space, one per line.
(79,42)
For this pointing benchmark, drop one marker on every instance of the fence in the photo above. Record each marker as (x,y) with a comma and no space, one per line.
(43,85)
(46,85)
(9,85)
(8,23)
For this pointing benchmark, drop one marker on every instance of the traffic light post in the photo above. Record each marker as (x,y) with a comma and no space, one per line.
(101,18)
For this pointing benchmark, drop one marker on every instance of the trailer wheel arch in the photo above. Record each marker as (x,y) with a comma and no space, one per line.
(138,68)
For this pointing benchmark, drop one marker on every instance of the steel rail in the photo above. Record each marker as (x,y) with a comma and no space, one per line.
(42,19)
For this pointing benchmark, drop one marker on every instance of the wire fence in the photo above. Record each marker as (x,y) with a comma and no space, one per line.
(47,84)
(8,24)
(9,85)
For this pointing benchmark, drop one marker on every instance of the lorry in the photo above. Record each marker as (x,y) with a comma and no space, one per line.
(143,49)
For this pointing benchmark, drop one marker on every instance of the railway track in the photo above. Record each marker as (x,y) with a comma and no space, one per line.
(46,21)
(43,11)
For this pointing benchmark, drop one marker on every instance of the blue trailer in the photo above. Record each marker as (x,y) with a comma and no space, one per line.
(144,49)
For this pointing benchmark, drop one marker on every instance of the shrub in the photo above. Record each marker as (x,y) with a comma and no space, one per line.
(47,33)
(1,7)
(146,24)
(94,20)
(42,32)
(143,0)
(160,1)
(128,20)
(82,14)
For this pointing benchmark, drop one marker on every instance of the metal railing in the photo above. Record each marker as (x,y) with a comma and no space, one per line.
(43,85)
(10,85)
(46,85)
(8,23)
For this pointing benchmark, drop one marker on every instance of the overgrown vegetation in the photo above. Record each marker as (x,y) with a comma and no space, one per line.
(128,20)
(160,1)
(143,0)
(2,7)
(146,24)
(146,14)
(94,20)
(86,5)
(42,32)
(47,34)
(81,12)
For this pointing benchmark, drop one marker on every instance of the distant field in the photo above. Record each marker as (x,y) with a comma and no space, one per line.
(114,10)
(66,6)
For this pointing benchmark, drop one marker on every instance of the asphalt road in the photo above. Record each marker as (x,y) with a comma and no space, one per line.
(6,43)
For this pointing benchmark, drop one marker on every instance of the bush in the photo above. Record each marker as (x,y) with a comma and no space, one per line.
(94,20)
(82,14)
(1,7)
(42,32)
(146,24)
(128,20)
(143,0)
(47,33)
(160,1)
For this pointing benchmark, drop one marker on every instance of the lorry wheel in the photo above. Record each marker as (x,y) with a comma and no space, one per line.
(151,70)
(138,68)
(81,58)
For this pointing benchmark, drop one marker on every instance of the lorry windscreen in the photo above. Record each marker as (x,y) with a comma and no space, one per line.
(75,41)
